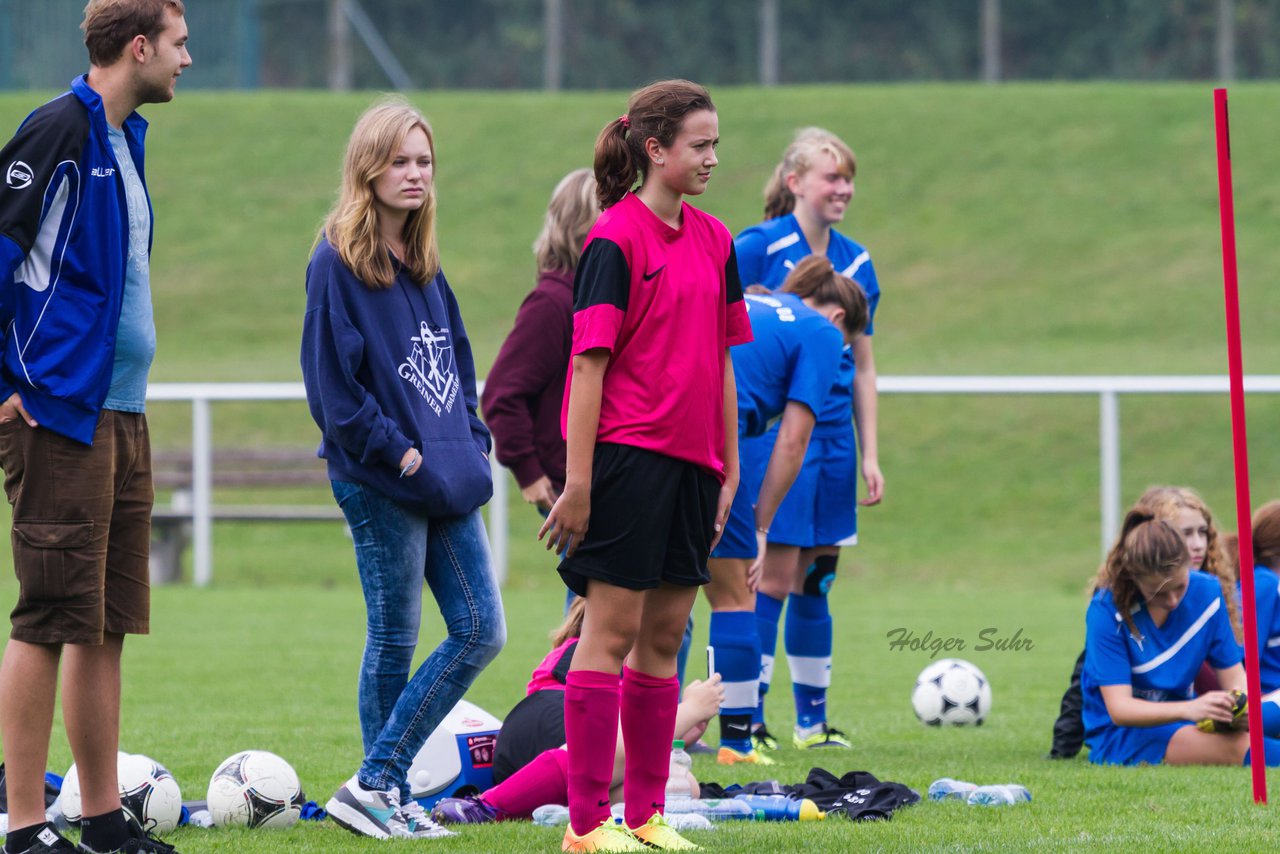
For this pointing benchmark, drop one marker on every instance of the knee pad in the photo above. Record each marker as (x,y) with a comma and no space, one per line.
(820,575)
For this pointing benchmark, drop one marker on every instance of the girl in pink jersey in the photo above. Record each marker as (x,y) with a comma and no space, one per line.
(650,419)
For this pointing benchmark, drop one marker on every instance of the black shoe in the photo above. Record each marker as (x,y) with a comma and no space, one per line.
(1068,729)
(49,841)
(140,841)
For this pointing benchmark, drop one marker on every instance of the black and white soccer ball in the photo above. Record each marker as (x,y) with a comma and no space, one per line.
(255,788)
(951,692)
(147,791)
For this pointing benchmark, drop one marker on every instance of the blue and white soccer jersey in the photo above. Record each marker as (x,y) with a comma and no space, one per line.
(1160,665)
(821,508)
(1266,594)
(794,356)
(768,252)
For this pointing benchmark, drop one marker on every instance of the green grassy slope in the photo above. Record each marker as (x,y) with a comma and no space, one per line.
(1020,228)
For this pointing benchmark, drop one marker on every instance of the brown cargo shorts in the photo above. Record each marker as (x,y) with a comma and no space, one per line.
(81,529)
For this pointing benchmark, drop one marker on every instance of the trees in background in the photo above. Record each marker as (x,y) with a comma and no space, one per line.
(590,44)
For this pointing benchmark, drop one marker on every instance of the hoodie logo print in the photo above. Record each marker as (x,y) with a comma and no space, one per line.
(429,368)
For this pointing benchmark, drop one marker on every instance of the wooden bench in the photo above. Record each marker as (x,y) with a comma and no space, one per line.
(243,468)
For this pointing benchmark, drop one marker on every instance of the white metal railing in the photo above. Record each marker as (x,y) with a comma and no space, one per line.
(1107,388)
(202,395)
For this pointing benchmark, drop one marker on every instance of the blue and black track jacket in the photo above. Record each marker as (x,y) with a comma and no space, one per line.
(64,243)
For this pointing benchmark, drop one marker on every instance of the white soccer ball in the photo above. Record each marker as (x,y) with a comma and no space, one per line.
(255,788)
(147,790)
(952,692)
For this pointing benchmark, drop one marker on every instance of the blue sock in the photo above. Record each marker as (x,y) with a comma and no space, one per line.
(808,642)
(1272,748)
(768,614)
(682,657)
(737,646)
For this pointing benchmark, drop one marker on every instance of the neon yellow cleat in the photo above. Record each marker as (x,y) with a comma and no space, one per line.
(826,738)
(762,739)
(656,833)
(609,836)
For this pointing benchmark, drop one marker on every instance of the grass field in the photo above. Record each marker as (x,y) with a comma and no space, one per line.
(1016,229)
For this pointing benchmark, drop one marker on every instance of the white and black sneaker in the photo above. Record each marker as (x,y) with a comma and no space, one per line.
(421,825)
(49,841)
(368,812)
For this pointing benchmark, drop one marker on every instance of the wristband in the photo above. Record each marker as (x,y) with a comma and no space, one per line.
(417,455)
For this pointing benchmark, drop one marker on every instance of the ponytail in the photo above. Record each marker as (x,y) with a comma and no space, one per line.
(615,163)
(778,199)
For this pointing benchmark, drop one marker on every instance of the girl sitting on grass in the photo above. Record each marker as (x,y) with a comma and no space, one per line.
(1184,509)
(1150,626)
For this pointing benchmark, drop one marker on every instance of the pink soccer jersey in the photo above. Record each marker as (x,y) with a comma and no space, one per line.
(665,302)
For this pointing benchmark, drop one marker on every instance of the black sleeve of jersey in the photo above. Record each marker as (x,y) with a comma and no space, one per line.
(561,671)
(732,282)
(51,135)
(603,276)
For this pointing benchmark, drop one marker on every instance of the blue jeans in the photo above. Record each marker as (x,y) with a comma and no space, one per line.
(396,551)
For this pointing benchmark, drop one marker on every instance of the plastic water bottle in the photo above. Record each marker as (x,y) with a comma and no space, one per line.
(782,808)
(201,818)
(678,772)
(688,821)
(995,796)
(551,815)
(944,788)
(715,809)
(55,816)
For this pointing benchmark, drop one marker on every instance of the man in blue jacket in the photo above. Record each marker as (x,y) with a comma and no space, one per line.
(76,343)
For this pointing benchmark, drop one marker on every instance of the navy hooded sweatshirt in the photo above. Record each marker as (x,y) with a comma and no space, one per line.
(389,369)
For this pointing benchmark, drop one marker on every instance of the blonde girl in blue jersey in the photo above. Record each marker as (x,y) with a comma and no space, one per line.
(805,199)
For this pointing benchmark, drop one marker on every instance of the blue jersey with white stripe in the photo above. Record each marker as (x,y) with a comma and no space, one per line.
(1161,665)
(794,356)
(1266,594)
(768,252)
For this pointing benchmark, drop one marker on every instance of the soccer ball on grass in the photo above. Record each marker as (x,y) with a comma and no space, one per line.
(255,788)
(147,791)
(951,692)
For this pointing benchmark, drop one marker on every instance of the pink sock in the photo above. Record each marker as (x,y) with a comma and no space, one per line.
(591,733)
(542,781)
(648,724)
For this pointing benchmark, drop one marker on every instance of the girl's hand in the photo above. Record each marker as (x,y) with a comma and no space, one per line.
(567,521)
(723,503)
(540,493)
(704,698)
(410,462)
(756,571)
(1211,706)
(875,483)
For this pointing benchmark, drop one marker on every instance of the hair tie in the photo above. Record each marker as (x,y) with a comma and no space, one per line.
(625,121)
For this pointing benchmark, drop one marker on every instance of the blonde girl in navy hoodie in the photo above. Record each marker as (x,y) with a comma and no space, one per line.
(391,383)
